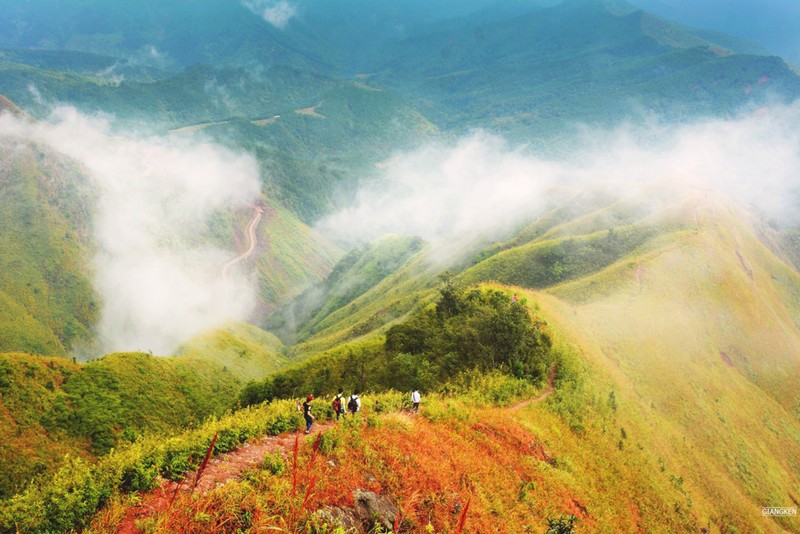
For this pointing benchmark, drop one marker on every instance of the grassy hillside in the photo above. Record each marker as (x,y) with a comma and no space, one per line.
(289,256)
(696,336)
(243,350)
(356,272)
(27,392)
(48,304)
(459,466)
(675,405)
(672,329)
(690,344)
(52,407)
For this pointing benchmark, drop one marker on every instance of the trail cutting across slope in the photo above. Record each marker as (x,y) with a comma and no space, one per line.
(220,470)
(544,394)
(252,241)
(229,466)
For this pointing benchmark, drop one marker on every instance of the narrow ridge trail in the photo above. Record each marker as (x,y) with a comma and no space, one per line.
(229,466)
(542,396)
(219,470)
(252,242)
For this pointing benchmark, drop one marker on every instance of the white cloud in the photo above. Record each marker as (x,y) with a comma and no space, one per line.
(155,271)
(482,185)
(276,13)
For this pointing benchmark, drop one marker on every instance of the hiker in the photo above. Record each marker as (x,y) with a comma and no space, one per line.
(514,299)
(415,398)
(307,413)
(354,403)
(338,404)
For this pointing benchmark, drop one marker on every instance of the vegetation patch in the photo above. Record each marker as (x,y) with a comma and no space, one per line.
(467,331)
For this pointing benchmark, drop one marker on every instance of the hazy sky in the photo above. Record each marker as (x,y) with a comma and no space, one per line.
(773,23)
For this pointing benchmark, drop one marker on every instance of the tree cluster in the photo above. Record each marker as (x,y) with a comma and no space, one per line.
(466,330)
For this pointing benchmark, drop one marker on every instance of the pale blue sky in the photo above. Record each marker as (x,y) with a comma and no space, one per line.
(775,24)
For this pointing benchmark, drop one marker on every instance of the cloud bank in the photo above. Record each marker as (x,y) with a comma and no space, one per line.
(482,185)
(157,275)
(276,13)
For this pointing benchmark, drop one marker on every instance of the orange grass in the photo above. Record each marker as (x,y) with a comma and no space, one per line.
(435,472)
(481,470)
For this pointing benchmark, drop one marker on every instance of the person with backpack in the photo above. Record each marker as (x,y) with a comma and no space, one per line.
(354,403)
(307,413)
(338,404)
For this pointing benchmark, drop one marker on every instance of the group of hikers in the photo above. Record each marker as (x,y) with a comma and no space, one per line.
(352,406)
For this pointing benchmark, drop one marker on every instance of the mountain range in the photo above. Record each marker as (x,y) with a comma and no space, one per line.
(571,224)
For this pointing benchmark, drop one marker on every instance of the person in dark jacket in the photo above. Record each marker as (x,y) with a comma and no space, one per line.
(307,413)
(338,404)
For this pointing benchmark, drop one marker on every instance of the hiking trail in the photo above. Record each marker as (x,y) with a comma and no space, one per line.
(219,470)
(542,396)
(229,466)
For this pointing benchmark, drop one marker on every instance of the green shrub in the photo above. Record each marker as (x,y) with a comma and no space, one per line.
(274,463)
(564,524)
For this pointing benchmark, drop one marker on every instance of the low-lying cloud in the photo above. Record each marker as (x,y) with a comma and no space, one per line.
(482,185)
(158,277)
(148,56)
(278,13)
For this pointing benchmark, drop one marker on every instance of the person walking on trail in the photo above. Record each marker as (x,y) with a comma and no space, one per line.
(307,413)
(354,403)
(338,404)
(415,398)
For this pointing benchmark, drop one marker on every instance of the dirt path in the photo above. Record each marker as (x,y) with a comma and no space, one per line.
(229,466)
(220,470)
(543,395)
(252,241)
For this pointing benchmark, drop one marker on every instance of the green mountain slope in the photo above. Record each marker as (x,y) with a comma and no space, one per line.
(674,322)
(48,301)
(51,407)
(243,350)
(358,271)
(696,334)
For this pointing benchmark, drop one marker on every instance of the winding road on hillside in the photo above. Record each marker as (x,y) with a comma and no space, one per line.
(252,241)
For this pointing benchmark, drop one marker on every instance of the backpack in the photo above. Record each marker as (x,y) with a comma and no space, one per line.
(337,404)
(352,404)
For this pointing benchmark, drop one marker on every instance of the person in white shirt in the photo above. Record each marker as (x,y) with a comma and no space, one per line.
(415,398)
